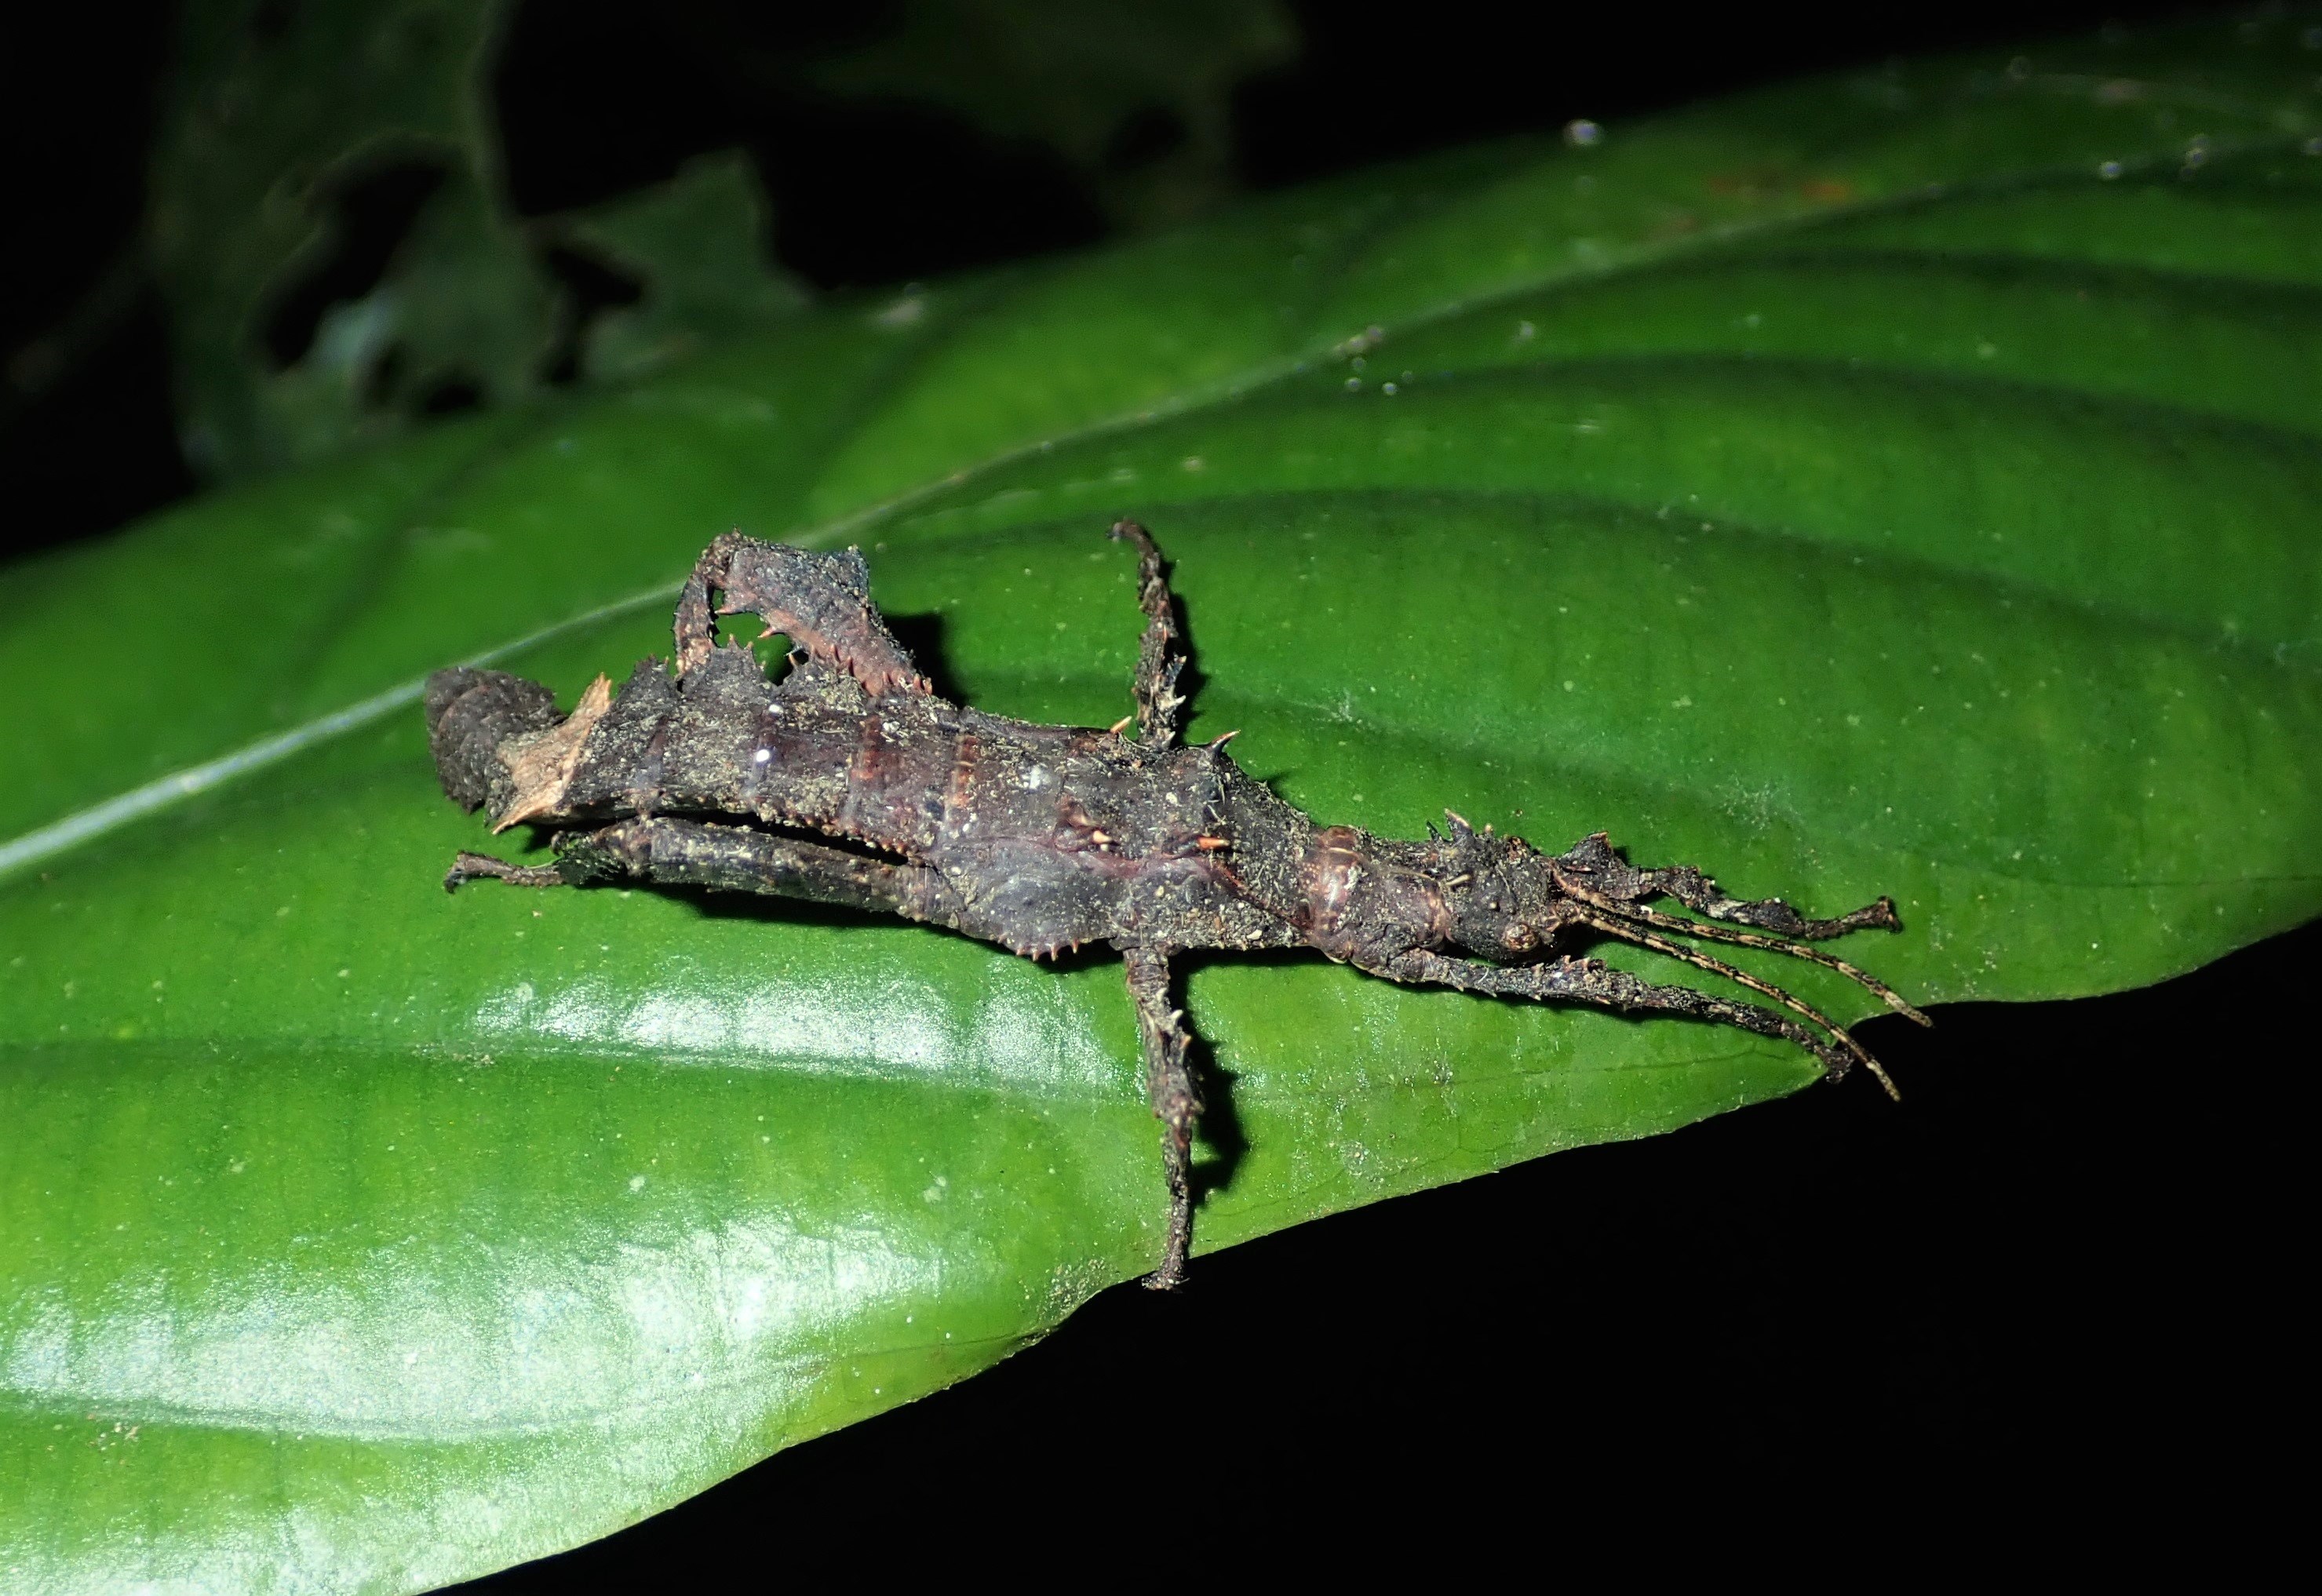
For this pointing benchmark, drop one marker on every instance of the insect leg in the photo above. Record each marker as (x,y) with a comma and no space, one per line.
(1592,866)
(469,867)
(1628,930)
(1599,986)
(1634,915)
(736,859)
(821,602)
(1176,1100)
(1159,657)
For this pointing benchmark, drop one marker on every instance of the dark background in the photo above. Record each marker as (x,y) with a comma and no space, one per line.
(2065,1261)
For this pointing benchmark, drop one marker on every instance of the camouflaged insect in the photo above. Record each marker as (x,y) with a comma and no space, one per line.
(849,781)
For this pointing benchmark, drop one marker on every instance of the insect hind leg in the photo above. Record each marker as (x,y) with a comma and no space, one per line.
(1592,867)
(1597,985)
(1176,1101)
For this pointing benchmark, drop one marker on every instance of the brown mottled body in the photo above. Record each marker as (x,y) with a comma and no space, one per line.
(849,781)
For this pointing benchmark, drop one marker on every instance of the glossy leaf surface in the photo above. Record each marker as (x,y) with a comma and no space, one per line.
(1903,483)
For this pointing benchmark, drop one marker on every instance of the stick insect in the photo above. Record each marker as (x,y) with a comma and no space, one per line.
(850,782)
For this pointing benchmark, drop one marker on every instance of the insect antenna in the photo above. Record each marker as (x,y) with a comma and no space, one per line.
(1637,914)
(1643,938)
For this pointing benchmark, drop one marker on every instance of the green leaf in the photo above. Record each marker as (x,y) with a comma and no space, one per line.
(1902,482)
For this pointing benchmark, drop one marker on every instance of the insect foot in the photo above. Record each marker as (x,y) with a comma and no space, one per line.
(850,782)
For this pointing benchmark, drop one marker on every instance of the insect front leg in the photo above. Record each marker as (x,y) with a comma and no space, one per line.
(821,602)
(727,859)
(471,867)
(736,859)
(1176,1100)
(1160,653)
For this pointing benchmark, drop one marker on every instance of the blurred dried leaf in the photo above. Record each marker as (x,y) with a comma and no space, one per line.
(283,117)
(1135,96)
(279,111)
(696,245)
